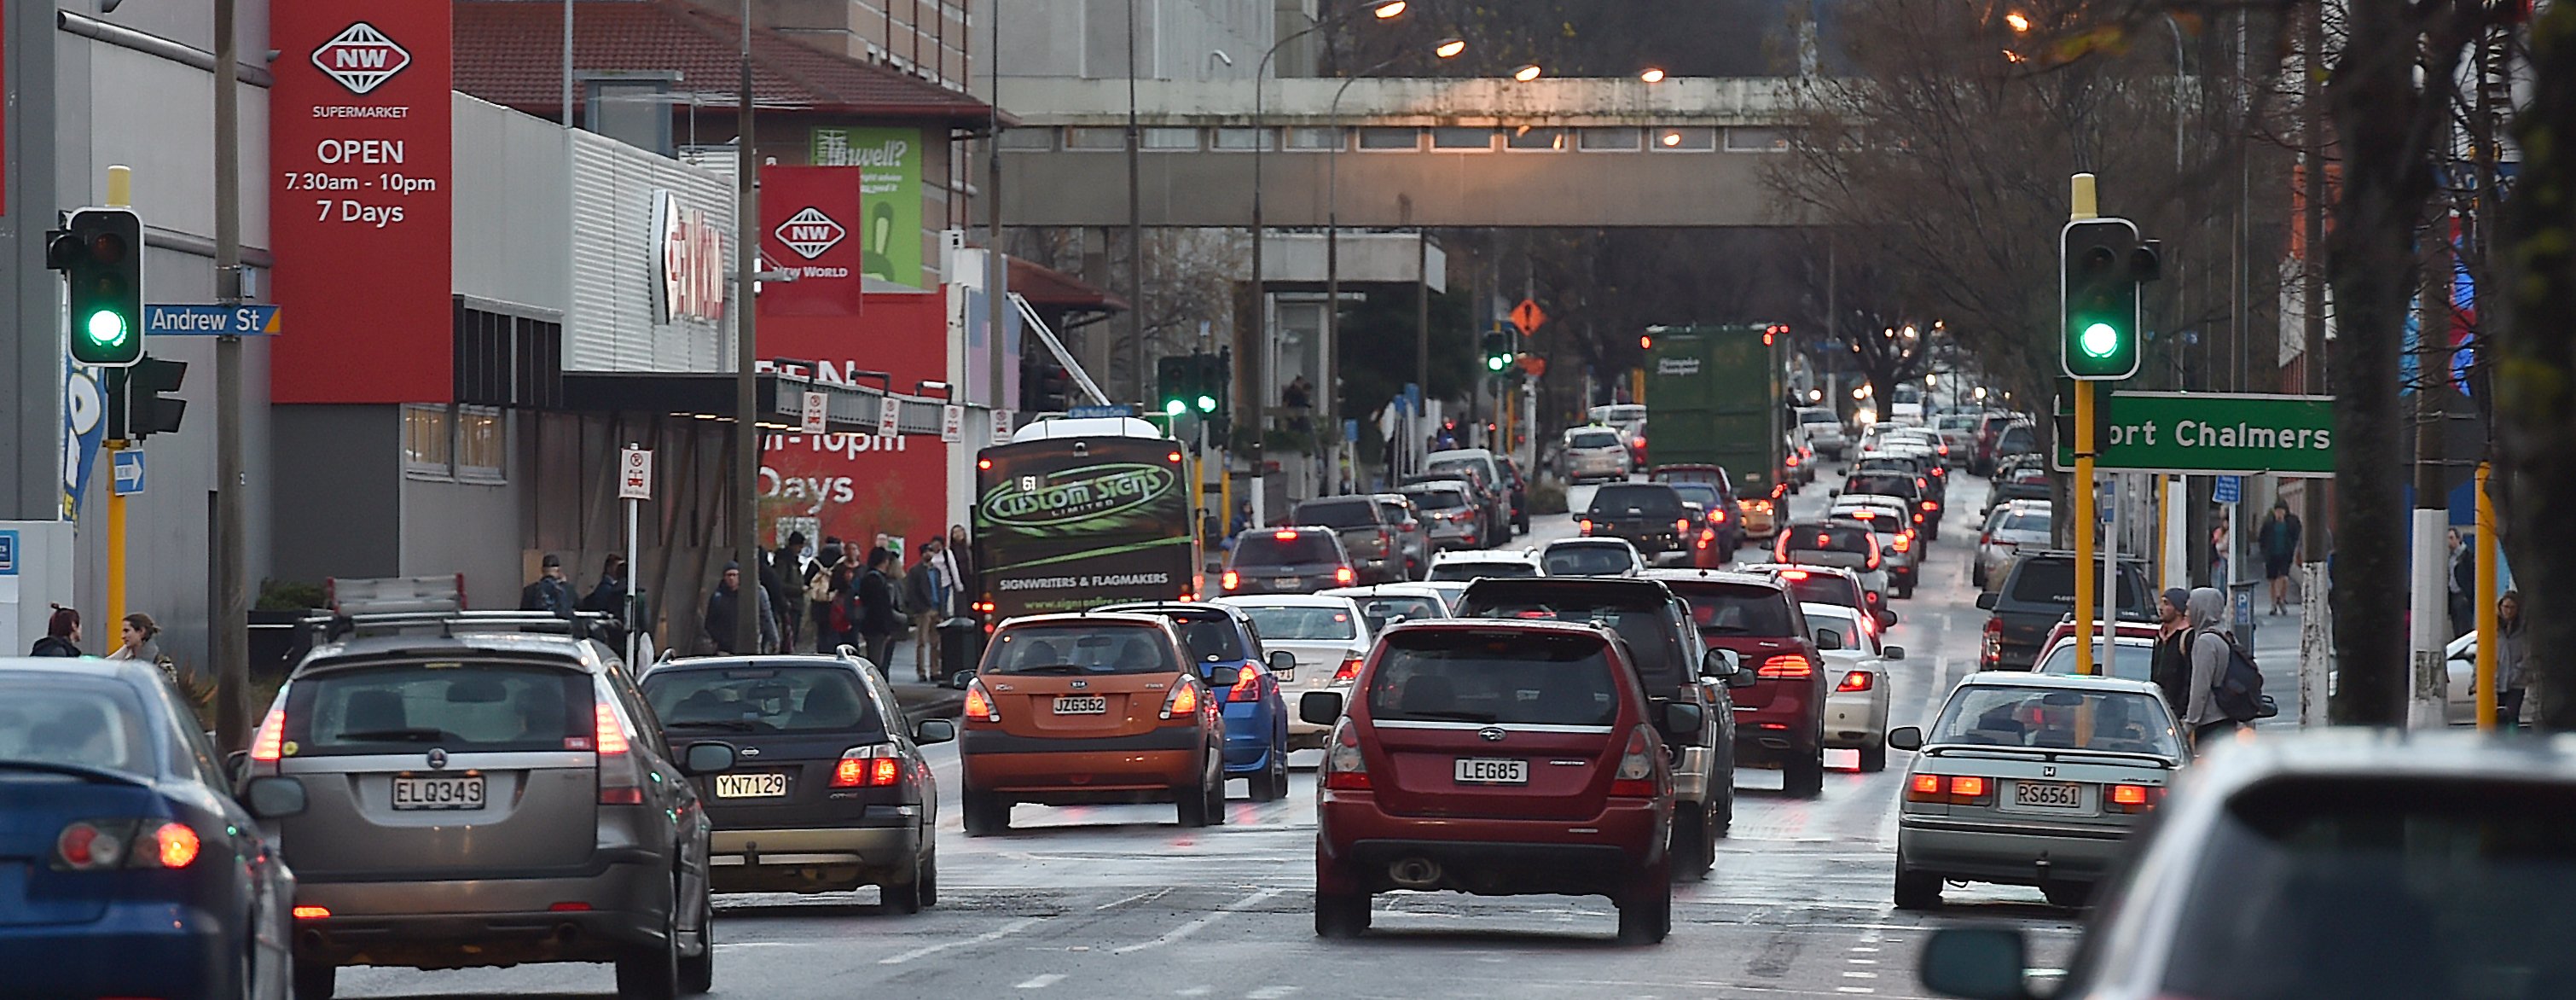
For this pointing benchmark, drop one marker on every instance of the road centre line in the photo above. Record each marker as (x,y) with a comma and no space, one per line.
(1195,926)
(1041,982)
(996,934)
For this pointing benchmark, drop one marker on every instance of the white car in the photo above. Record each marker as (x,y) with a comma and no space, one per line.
(1856,704)
(1329,636)
(1392,603)
(1824,431)
(1590,557)
(1451,592)
(2008,528)
(1594,453)
(1473,563)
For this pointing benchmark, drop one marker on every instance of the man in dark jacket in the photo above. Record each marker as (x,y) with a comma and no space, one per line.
(2170,667)
(877,619)
(785,565)
(551,593)
(726,602)
(922,598)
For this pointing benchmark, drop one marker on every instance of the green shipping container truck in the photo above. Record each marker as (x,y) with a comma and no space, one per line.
(1713,393)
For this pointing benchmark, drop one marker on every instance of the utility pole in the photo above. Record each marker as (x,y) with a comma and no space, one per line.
(996,285)
(2316,644)
(746,424)
(1135,228)
(232,597)
(2429,611)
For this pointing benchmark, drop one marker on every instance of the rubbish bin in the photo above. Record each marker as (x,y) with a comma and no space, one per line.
(961,647)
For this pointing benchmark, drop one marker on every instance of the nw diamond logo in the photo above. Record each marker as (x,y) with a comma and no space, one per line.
(361,58)
(810,232)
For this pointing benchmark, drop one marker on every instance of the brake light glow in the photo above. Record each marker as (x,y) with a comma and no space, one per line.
(1345,767)
(1905,542)
(312,912)
(1786,666)
(1919,483)
(1285,535)
(983,463)
(1349,672)
(1344,576)
(979,704)
(1924,788)
(609,735)
(1636,775)
(2132,798)
(1229,580)
(1247,684)
(1857,680)
(621,777)
(1968,786)
(1928,505)
(1794,574)
(873,766)
(1681,525)
(1717,516)
(1173,457)
(103,844)
(1585,526)
(179,844)
(269,745)
(1183,702)
(1705,536)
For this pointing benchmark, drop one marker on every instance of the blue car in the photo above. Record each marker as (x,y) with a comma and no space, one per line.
(1230,659)
(126,866)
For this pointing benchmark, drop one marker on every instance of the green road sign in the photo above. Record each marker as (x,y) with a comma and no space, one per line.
(2212,433)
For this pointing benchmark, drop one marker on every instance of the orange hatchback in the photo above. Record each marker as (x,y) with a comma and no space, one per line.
(1087,709)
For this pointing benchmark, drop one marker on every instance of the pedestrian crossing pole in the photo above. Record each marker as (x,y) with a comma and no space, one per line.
(2082,489)
(120,194)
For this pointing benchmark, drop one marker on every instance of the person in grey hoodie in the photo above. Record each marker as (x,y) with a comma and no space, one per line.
(2208,645)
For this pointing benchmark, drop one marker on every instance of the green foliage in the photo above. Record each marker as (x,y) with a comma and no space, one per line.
(288,595)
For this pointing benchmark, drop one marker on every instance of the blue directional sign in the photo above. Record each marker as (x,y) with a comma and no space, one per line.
(8,553)
(2228,489)
(129,471)
(1111,410)
(167,320)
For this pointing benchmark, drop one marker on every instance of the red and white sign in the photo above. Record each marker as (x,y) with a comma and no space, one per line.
(1001,427)
(952,423)
(889,417)
(689,263)
(817,413)
(360,207)
(805,216)
(635,474)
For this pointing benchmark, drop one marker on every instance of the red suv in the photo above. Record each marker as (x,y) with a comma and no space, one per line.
(1780,719)
(1496,758)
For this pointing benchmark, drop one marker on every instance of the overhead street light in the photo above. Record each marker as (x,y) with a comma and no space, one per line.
(1389,9)
(1652,75)
(1449,47)
(1527,73)
(2016,20)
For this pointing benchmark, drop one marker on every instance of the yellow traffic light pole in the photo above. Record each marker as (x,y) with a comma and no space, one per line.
(120,194)
(2084,208)
(2486,554)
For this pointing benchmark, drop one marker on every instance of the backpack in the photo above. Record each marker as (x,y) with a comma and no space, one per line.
(818,583)
(2238,690)
(533,596)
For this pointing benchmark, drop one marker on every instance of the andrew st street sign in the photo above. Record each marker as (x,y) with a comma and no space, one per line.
(2206,433)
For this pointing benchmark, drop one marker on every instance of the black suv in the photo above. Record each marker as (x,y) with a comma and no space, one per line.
(2039,592)
(1370,536)
(1650,516)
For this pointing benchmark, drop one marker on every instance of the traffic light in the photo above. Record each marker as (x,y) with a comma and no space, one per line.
(137,400)
(1175,381)
(101,256)
(1208,388)
(1498,352)
(1045,386)
(2100,263)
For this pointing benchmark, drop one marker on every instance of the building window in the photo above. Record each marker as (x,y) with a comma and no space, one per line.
(1526,137)
(1246,138)
(1315,138)
(1613,139)
(1688,139)
(1092,137)
(428,440)
(1170,138)
(1038,139)
(1454,137)
(1756,140)
(1376,137)
(482,443)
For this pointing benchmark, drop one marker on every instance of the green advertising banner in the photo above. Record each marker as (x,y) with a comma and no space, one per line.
(889,162)
(2210,433)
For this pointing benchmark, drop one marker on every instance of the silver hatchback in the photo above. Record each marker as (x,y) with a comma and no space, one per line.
(487,789)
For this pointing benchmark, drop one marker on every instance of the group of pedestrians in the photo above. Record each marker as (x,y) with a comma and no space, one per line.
(2194,641)
(138,638)
(865,600)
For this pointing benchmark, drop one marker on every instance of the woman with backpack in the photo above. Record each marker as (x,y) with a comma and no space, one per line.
(2210,646)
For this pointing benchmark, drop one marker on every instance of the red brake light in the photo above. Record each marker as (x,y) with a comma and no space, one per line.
(1924,788)
(868,767)
(1183,702)
(270,744)
(979,704)
(1247,684)
(179,844)
(1344,576)
(1968,786)
(1349,672)
(1905,542)
(609,736)
(1284,535)
(2129,795)
(2132,798)
(312,912)
(1173,457)
(1585,525)
(1230,580)
(1717,516)
(1793,574)
(1857,680)
(1681,525)
(1786,666)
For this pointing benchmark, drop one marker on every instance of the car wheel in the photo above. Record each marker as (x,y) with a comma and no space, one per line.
(903,897)
(1917,890)
(1977,574)
(1215,790)
(2070,895)
(1873,758)
(1688,848)
(929,880)
(1905,590)
(1721,822)
(1646,915)
(1271,784)
(1804,777)
(698,973)
(315,981)
(652,972)
(1341,915)
(986,813)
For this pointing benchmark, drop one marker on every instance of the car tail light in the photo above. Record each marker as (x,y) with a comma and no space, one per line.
(1183,702)
(1904,542)
(1349,672)
(1247,684)
(1970,790)
(1584,526)
(1345,767)
(569,906)
(1793,461)
(1924,788)
(1717,516)
(1284,535)
(1857,680)
(1928,505)
(126,842)
(1794,574)
(1786,666)
(312,913)
(1636,775)
(979,703)
(620,780)
(1706,536)
(1681,525)
(1230,580)
(270,744)
(90,846)
(1920,484)
(177,843)
(1986,538)
(1780,549)
(2132,798)
(875,766)
(1344,576)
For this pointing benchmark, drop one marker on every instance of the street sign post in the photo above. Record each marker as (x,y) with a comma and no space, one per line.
(2208,433)
(817,413)
(209,320)
(129,471)
(2228,489)
(634,486)
(1528,316)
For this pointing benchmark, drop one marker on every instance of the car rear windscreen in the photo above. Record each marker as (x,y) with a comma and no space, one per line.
(1473,569)
(1587,560)
(1882,484)
(1636,499)
(2052,581)
(1722,609)
(1380,611)
(1079,649)
(2024,522)
(1594,439)
(1821,588)
(411,706)
(1284,548)
(89,722)
(1494,678)
(2049,718)
(2381,887)
(1468,467)
(1444,499)
(1210,638)
(761,699)
(1829,538)
(1703,494)
(1337,513)
(1294,623)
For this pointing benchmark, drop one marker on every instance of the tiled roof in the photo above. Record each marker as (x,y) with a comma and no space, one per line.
(1047,287)
(510,52)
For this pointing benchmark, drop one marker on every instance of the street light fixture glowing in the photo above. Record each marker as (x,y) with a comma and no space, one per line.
(1672,138)
(1652,75)
(1450,47)
(1527,73)
(1392,8)
(2016,20)
(2099,340)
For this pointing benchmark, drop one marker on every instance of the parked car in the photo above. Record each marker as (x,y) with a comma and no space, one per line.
(1590,557)
(1389,604)
(2036,594)
(488,789)
(1847,545)
(1086,709)
(1299,560)
(1371,535)
(1824,430)
(1248,677)
(1592,453)
(1649,516)
(133,870)
(1856,708)
(1450,516)
(2016,525)
(830,791)
(2326,863)
(1493,491)
(2031,779)
(1324,636)
(1671,664)
(1463,567)
(1780,708)
(1499,758)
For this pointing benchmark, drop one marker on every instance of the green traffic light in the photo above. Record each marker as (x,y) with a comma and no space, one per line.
(1496,363)
(1174,408)
(106,327)
(2099,340)
(1207,404)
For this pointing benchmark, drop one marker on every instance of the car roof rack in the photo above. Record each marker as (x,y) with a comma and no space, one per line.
(450,624)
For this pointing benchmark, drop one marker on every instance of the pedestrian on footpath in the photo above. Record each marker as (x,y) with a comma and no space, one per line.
(2170,667)
(608,596)
(951,582)
(923,600)
(773,589)
(877,619)
(725,604)
(2463,586)
(140,640)
(2513,649)
(2218,575)
(2209,650)
(823,574)
(968,584)
(787,566)
(2279,538)
(550,593)
(62,634)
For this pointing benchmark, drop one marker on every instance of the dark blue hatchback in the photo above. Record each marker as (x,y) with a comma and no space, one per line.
(126,866)
(1228,652)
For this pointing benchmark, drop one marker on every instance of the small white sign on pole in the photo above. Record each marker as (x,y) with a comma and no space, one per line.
(817,418)
(635,474)
(952,423)
(889,412)
(1001,427)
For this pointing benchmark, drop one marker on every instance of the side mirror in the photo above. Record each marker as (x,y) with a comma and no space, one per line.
(1891,652)
(1979,963)
(1986,601)
(1828,639)
(1322,708)
(1887,618)
(706,758)
(274,797)
(1681,718)
(1720,664)
(1905,738)
(959,679)
(1284,664)
(928,731)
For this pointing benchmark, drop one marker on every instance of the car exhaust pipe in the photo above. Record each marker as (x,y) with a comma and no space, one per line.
(1415,873)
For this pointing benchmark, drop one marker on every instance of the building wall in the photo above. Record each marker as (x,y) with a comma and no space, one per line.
(339,513)
(510,208)
(1175,39)
(472,528)
(927,38)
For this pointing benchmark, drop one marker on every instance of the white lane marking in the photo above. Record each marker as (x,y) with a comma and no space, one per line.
(1137,898)
(1854,989)
(1041,982)
(925,951)
(1194,991)
(1862,961)
(1271,993)
(1864,949)
(1195,926)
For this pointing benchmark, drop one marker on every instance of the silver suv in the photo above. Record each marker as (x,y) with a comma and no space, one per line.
(487,789)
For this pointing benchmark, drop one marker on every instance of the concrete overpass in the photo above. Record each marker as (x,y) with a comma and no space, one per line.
(1414,152)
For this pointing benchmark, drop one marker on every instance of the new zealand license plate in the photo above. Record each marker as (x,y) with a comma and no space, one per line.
(2048,794)
(751,786)
(1488,771)
(463,791)
(1082,704)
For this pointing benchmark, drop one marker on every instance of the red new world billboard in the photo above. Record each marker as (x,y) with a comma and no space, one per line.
(805,219)
(857,486)
(359,206)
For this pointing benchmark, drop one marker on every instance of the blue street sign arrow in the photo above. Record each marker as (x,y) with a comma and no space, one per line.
(129,471)
(209,320)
